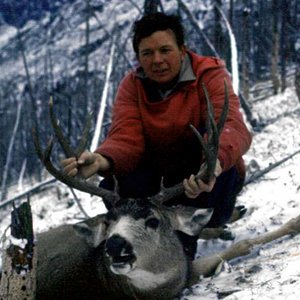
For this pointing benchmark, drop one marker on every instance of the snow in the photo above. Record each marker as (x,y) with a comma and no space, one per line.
(6,33)
(269,272)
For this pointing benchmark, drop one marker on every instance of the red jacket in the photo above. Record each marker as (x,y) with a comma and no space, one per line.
(139,124)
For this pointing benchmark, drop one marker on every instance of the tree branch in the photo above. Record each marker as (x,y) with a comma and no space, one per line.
(260,173)
(207,265)
(33,190)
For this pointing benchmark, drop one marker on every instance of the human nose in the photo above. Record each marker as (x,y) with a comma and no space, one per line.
(157,58)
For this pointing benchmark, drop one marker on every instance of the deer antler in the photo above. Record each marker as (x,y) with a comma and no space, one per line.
(69,152)
(74,182)
(210,148)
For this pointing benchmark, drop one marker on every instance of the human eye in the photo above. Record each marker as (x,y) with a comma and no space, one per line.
(146,53)
(165,50)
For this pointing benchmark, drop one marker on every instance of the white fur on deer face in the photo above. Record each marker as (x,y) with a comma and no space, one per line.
(140,240)
(135,237)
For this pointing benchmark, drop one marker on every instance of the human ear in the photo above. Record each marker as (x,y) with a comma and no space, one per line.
(183,51)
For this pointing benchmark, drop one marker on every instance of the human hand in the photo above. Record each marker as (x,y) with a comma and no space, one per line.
(88,164)
(194,187)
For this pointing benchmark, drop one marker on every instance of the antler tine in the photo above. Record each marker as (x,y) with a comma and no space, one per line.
(210,148)
(166,194)
(84,139)
(69,152)
(211,127)
(214,130)
(74,182)
(58,132)
(224,113)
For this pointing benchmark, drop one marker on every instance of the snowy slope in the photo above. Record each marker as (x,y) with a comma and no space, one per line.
(270,272)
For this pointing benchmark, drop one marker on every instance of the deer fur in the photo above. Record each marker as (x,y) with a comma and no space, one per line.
(74,263)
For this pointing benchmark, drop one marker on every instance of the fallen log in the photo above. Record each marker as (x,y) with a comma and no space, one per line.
(207,265)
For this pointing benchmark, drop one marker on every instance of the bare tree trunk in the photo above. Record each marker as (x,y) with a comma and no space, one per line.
(14,286)
(86,61)
(120,47)
(275,48)
(28,78)
(218,32)
(50,72)
(182,6)
(151,6)
(247,110)
(297,80)
(21,177)
(231,12)
(245,51)
(9,156)
(284,42)
(28,87)
(18,281)
(105,92)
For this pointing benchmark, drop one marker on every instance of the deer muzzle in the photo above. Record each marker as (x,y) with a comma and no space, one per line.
(120,254)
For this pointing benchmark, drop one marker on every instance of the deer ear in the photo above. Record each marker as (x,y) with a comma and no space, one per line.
(190,220)
(92,230)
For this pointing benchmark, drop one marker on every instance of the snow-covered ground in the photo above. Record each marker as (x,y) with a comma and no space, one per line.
(271,271)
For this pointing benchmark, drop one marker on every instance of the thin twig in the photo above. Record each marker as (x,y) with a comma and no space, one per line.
(260,173)
(78,203)
(30,191)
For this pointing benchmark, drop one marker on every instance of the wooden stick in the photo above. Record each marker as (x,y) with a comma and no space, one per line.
(207,265)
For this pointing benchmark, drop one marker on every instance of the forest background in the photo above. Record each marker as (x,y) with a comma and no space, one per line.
(76,51)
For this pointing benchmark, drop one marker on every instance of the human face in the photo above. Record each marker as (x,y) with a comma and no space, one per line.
(160,56)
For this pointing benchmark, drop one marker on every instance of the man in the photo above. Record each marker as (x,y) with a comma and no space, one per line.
(150,135)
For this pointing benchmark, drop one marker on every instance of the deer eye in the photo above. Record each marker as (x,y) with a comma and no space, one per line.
(152,222)
(106,223)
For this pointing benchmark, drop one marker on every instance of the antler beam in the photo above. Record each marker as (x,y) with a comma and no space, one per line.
(74,182)
(210,147)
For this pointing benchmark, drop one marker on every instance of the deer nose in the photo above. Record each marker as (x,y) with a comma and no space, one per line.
(116,246)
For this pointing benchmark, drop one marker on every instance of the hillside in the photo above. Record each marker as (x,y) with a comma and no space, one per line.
(272,271)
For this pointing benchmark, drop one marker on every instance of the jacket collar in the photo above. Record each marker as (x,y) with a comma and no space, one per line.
(186,71)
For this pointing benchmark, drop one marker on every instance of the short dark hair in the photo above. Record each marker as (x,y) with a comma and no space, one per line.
(151,23)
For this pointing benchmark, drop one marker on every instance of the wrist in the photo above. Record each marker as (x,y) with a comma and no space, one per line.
(104,165)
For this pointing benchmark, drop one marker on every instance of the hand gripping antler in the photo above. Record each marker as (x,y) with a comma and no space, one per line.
(210,147)
(75,182)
